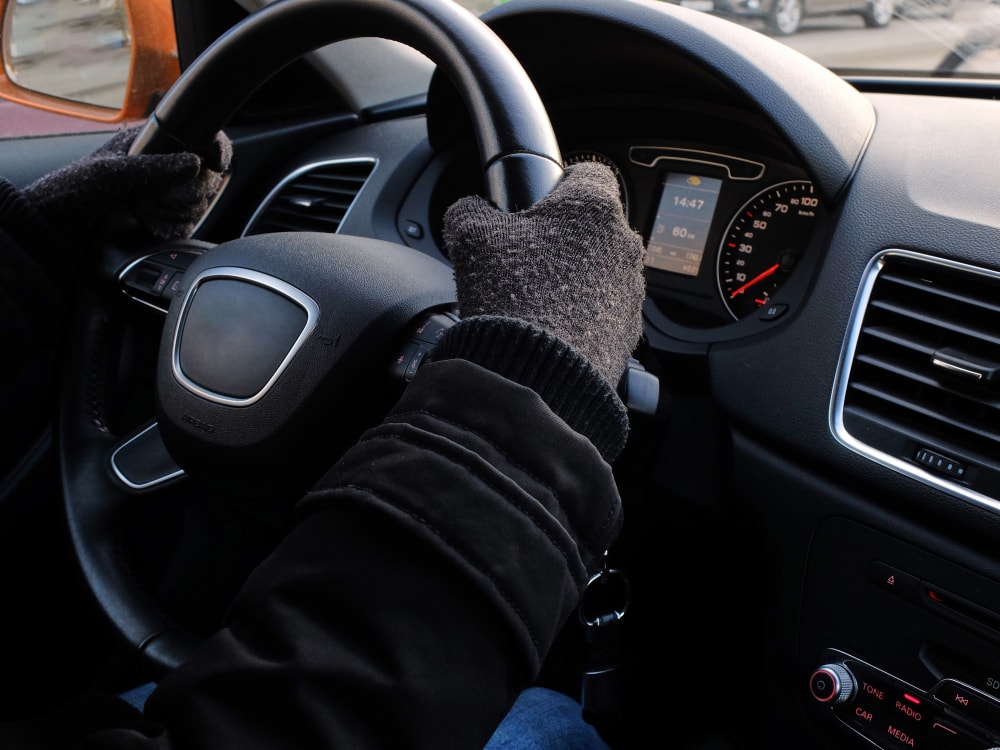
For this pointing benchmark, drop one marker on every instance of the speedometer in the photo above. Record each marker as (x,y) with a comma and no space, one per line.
(763,244)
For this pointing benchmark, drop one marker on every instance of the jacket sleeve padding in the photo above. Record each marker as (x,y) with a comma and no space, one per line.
(426,577)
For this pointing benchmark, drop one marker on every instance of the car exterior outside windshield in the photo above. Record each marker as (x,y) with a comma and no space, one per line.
(784,17)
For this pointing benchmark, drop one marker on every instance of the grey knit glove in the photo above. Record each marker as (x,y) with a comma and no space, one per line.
(570,265)
(167,193)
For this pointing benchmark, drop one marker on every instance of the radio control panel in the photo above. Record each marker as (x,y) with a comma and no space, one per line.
(892,714)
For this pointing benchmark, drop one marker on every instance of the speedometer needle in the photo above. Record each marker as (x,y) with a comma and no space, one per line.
(755,279)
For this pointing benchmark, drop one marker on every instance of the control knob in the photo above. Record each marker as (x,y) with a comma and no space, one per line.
(832,684)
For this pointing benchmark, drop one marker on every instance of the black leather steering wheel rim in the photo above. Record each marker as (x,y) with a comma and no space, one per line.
(518,149)
(521,163)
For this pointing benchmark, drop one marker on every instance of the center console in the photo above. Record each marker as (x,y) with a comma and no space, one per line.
(900,647)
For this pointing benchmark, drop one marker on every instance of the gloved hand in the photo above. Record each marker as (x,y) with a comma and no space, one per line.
(167,193)
(570,265)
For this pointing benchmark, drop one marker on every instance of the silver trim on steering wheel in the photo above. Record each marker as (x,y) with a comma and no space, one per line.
(263,280)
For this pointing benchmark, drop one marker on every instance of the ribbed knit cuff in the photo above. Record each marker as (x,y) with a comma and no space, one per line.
(565,380)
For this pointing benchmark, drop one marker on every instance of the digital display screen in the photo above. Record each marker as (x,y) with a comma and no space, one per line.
(683,219)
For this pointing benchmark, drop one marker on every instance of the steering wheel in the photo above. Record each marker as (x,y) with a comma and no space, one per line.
(269,337)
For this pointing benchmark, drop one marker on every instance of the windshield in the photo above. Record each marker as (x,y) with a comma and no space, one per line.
(921,38)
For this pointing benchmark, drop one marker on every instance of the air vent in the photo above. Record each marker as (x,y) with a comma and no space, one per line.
(919,383)
(316,198)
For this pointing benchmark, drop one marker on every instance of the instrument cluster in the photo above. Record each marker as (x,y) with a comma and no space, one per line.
(725,232)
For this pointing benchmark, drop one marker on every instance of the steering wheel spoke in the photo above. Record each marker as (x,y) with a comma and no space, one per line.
(142,462)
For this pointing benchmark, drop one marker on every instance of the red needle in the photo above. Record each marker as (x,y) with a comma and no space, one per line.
(755,279)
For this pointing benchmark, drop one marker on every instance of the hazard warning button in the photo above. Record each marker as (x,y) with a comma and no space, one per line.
(892,579)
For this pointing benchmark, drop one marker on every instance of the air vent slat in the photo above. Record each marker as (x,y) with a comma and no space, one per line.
(333,182)
(316,200)
(306,200)
(945,418)
(893,368)
(900,390)
(315,212)
(986,302)
(900,338)
(950,388)
(939,321)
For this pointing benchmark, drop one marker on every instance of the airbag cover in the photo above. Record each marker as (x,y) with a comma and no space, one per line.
(237,333)
(277,352)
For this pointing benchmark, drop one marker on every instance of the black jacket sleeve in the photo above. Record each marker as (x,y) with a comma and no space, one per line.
(31,316)
(425,579)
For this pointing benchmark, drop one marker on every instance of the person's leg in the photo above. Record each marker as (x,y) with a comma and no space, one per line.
(543,719)
(136,697)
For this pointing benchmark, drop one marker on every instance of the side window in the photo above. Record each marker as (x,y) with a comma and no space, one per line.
(18,120)
(73,66)
(81,65)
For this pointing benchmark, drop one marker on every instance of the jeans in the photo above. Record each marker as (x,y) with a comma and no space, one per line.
(543,719)
(540,719)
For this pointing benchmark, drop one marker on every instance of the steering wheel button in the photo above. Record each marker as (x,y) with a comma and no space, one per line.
(415,361)
(175,286)
(433,327)
(401,361)
(162,281)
